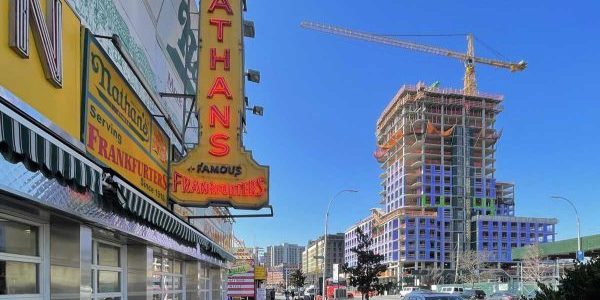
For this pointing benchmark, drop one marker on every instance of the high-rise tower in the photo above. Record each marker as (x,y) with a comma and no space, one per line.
(440,195)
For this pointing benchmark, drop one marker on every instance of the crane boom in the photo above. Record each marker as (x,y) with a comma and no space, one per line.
(468,58)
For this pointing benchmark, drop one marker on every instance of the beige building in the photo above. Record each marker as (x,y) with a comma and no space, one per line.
(312,261)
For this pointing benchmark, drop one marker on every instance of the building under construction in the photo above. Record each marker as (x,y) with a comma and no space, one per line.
(440,195)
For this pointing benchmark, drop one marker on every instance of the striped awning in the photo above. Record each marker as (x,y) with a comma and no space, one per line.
(146,209)
(23,141)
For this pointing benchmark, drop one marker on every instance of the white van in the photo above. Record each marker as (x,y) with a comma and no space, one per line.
(408,289)
(451,290)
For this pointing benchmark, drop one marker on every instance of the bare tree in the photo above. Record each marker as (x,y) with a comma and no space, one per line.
(535,269)
(434,276)
(470,265)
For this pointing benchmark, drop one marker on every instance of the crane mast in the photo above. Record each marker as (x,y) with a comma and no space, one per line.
(469,58)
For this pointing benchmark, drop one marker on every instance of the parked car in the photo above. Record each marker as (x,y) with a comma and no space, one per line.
(503,296)
(428,295)
(408,289)
(473,294)
(451,290)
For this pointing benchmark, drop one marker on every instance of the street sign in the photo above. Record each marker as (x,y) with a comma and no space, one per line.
(580,256)
(336,272)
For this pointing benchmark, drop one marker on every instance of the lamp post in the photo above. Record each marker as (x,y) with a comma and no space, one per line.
(578,227)
(325,238)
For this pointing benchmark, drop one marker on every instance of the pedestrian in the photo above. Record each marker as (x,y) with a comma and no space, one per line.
(287,294)
(293,295)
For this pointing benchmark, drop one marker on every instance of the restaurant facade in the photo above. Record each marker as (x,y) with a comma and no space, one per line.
(95,102)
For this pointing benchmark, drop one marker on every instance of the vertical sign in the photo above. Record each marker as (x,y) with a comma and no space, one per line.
(240,281)
(220,170)
(336,272)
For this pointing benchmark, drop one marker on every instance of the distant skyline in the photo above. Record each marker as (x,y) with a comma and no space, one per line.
(322,95)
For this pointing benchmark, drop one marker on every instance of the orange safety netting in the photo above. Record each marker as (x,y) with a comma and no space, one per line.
(431,129)
(393,140)
(380,154)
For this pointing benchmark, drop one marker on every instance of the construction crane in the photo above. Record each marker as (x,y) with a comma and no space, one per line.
(469,58)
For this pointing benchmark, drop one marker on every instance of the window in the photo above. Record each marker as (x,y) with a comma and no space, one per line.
(108,278)
(167,277)
(23,267)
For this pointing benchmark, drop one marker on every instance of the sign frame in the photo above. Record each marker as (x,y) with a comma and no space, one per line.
(220,171)
(90,40)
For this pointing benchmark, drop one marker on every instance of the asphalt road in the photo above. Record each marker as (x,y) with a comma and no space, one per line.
(388,297)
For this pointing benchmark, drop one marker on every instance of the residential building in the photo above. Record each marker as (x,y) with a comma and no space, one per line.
(351,239)
(259,255)
(312,261)
(278,276)
(437,150)
(288,254)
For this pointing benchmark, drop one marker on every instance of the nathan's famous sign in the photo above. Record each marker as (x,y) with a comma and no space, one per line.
(119,131)
(219,169)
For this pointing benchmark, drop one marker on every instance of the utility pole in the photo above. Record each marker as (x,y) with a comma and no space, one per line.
(325,239)
(457,259)
(286,276)
(579,256)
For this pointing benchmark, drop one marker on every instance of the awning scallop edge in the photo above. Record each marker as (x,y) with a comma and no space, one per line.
(143,207)
(23,141)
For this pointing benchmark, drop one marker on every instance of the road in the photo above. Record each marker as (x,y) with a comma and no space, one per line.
(388,297)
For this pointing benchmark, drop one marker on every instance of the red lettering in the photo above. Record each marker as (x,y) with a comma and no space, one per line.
(128,162)
(145,172)
(102,147)
(220,4)
(220,147)
(92,136)
(214,59)
(111,154)
(262,182)
(219,87)
(217,115)
(220,26)
(255,187)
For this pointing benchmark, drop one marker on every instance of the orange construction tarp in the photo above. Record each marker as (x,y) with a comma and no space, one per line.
(393,140)
(431,129)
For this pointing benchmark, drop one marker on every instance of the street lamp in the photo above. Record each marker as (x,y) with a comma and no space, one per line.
(325,238)
(579,252)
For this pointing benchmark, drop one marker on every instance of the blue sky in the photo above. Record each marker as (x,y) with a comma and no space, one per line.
(323,94)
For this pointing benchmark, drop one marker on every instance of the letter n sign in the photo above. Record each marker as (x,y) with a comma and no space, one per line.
(47,33)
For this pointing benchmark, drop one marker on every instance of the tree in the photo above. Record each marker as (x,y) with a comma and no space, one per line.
(534,267)
(363,276)
(580,283)
(433,276)
(469,265)
(297,278)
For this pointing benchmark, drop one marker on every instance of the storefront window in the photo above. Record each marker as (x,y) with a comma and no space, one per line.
(205,284)
(107,271)
(167,278)
(20,259)
(18,238)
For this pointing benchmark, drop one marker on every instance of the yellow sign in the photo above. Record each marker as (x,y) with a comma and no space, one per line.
(217,230)
(119,131)
(220,170)
(241,266)
(260,273)
(49,81)
(242,253)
